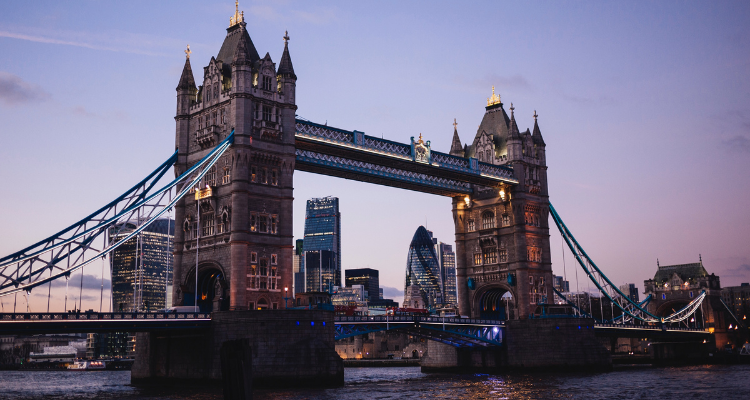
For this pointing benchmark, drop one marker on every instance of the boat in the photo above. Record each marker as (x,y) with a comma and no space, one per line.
(87,365)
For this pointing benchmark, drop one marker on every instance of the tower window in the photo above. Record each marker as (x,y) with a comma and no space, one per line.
(253,174)
(267,112)
(253,258)
(477,258)
(471,225)
(488,220)
(267,83)
(226,177)
(264,176)
(489,255)
(274,178)
(274,261)
(263,224)
(253,222)
(503,255)
(506,220)
(274,223)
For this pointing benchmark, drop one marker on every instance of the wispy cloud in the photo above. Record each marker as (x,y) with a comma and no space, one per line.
(126,42)
(391,292)
(740,272)
(15,91)
(739,144)
(502,83)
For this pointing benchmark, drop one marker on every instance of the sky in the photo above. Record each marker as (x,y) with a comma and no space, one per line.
(644,106)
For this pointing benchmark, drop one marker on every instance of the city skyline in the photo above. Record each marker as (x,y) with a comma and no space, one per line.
(647,137)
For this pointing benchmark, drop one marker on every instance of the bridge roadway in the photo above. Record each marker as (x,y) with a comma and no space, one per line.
(457,332)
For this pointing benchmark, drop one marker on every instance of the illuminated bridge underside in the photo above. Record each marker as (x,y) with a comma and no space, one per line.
(356,156)
(456,332)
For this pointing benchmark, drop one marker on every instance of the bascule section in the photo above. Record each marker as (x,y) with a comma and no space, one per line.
(236,226)
(502,235)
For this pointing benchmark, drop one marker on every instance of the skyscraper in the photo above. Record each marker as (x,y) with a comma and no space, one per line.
(322,244)
(423,269)
(367,277)
(299,267)
(142,267)
(447,262)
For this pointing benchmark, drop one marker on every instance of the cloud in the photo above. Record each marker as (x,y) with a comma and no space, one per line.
(81,112)
(14,90)
(501,83)
(741,272)
(738,144)
(90,282)
(391,292)
(125,42)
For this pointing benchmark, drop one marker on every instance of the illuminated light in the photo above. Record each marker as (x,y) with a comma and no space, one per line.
(324,323)
(312,323)
(286,289)
(557,327)
(710,330)
(730,326)
(297,323)
(495,329)
(692,319)
(502,194)
(704,340)
(579,326)
(467,200)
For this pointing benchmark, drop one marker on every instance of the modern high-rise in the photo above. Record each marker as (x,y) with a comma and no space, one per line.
(298,264)
(423,270)
(322,244)
(630,290)
(142,267)
(447,262)
(367,277)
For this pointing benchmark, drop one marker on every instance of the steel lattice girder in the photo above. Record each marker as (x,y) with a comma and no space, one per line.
(455,335)
(139,205)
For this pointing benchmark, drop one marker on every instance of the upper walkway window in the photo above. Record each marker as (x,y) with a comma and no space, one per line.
(488,220)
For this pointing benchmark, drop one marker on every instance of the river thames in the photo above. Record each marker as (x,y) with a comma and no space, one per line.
(697,382)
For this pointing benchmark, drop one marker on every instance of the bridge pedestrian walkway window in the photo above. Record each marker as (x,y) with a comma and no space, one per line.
(489,254)
(477,258)
(471,228)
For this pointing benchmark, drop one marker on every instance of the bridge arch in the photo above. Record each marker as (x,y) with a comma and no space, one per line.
(213,287)
(495,301)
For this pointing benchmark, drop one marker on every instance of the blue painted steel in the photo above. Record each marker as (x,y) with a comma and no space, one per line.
(578,251)
(206,162)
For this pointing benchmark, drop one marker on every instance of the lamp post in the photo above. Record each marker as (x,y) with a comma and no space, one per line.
(286,297)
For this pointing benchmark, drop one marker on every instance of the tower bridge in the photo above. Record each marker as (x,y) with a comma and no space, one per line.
(238,142)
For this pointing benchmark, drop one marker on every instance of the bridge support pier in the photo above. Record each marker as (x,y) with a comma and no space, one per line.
(289,347)
(553,343)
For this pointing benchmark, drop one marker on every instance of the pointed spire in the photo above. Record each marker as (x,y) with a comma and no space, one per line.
(242,53)
(514,134)
(186,80)
(456,148)
(285,65)
(537,135)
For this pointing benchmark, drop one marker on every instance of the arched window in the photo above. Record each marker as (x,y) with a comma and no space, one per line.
(488,220)
(488,155)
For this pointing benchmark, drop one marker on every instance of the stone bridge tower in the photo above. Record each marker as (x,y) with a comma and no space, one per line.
(502,234)
(243,243)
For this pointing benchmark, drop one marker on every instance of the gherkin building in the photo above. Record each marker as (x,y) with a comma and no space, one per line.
(422,267)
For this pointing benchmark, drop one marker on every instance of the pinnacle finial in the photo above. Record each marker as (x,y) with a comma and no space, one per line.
(455,124)
(187,52)
(420,137)
(238,16)
(495,99)
(535,115)
(286,37)
(511,108)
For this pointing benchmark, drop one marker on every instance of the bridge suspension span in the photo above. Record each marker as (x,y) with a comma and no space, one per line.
(96,235)
(630,309)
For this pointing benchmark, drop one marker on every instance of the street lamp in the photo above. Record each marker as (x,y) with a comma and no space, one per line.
(286,297)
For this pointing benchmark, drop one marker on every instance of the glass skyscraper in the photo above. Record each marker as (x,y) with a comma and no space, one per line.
(447,261)
(423,269)
(299,267)
(142,267)
(322,244)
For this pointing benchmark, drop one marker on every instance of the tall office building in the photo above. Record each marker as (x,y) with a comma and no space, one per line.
(447,262)
(299,267)
(423,271)
(630,290)
(142,267)
(322,244)
(367,277)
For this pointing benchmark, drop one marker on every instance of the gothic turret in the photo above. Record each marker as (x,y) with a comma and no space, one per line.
(286,69)
(537,135)
(515,149)
(456,148)
(186,89)
(287,87)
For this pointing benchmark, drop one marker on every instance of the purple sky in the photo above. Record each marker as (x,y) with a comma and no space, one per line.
(644,106)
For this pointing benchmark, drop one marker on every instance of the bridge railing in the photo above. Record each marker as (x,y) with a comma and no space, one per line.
(52,317)
(649,327)
(411,319)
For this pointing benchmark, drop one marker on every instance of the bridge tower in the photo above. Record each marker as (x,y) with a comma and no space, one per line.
(502,234)
(243,242)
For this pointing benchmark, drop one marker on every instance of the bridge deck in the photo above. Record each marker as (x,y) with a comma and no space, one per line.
(38,323)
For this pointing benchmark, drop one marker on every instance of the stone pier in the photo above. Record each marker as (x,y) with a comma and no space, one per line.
(289,348)
(554,343)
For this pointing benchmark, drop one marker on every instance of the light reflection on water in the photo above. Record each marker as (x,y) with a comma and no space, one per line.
(700,382)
